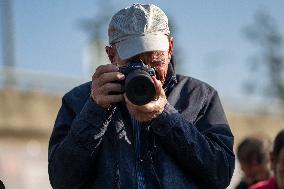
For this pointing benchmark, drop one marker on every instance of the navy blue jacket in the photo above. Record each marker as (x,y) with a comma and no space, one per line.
(189,145)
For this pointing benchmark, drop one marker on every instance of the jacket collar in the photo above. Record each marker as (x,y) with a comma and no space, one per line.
(171,77)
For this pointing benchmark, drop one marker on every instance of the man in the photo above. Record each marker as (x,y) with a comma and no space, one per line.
(180,139)
(2,185)
(277,166)
(253,154)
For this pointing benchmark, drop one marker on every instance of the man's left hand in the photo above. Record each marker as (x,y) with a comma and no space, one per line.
(153,109)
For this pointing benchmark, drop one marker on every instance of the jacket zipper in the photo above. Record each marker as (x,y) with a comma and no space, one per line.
(137,131)
(139,170)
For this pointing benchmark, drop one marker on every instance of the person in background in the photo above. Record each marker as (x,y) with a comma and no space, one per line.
(2,185)
(253,155)
(277,166)
(103,139)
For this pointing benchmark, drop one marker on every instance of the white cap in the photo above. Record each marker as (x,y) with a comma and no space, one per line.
(138,29)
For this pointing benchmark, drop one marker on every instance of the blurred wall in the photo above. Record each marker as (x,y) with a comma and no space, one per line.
(27,111)
(26,121)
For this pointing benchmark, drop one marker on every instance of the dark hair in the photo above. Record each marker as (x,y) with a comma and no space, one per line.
(278,144)
(254,148)
(2,185)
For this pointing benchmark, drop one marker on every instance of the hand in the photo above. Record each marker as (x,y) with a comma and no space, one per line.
(102,85)
(153,109)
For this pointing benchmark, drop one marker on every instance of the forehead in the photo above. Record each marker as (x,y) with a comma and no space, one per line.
(150,55)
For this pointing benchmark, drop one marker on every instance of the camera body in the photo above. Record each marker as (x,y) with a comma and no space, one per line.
(138,84)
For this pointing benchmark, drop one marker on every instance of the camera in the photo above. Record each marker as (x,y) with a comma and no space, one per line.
(138,84)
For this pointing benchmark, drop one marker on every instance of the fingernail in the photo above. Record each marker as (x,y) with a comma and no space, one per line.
(116,69)
(121,76)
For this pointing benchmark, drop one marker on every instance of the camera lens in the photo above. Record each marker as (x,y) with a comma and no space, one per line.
(139,87)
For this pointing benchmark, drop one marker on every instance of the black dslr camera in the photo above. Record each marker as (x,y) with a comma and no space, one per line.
(138,84)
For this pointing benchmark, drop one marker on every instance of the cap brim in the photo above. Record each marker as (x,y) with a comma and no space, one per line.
(139,44)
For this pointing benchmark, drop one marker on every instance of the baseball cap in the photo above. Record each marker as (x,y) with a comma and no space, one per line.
(139,28)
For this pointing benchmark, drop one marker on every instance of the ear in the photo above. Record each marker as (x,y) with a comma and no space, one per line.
(111,53)
(171,47)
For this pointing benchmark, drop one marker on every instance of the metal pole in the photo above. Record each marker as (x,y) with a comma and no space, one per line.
(7,42)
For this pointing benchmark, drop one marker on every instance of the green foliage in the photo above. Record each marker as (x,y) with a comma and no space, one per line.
(269,42)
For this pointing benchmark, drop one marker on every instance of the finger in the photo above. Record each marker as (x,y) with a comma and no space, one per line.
(158,86)
(108,77)
(105,68)
(110,87)
(146,108)
(130,104)
(114,98)
(133,111)
(109,99)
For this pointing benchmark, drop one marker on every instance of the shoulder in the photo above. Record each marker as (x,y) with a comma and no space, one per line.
(192,97)
(77,97)
(81,91)
(193,82)
(266,184)
(194,86)
(242,185)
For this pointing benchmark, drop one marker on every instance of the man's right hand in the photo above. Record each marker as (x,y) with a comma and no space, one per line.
(102,84)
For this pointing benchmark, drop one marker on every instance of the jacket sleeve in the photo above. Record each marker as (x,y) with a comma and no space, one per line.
(74,143)
(205,148)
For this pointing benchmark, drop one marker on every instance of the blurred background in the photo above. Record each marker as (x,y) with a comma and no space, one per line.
(49,47)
